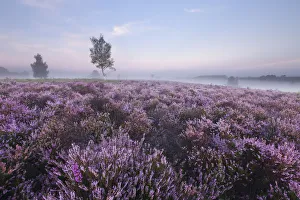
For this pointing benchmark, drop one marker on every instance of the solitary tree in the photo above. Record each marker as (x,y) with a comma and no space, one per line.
(95,74)
(233,81)
(39,67)
(101,54)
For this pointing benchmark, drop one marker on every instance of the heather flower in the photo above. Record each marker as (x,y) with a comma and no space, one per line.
(76,172)
(117,168)
(274,165)
(219,142)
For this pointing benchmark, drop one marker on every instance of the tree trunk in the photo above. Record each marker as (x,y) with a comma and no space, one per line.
(104,75)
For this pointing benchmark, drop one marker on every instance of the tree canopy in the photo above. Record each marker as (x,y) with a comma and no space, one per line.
(39,68)
(95,74)
(101,54)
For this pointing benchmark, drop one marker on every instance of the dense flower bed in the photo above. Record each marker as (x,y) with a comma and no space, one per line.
(147,140)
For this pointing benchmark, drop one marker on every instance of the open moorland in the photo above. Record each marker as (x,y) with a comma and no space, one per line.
(147,140)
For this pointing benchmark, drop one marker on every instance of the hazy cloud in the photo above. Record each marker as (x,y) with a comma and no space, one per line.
(48,4)
(69,20)
(122,29)
(134,27)
(193,10)
(282,63)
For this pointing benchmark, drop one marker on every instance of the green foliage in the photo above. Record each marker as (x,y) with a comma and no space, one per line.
(101,54)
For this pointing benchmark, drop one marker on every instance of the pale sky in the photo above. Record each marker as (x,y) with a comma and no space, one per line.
(191,37)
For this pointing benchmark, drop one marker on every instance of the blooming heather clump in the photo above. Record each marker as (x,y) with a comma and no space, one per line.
(116,168)
(267,167)
(211,173)
(200,141)
(138,122)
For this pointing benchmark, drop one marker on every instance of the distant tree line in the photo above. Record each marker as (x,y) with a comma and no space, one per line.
(230,80)
(282,78)
(6,73)
(212,77)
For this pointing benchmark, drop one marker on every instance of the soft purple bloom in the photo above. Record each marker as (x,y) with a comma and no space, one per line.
(198,141)
(76,172)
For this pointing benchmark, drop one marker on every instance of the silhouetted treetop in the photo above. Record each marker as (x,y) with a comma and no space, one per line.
(3,71)
(95,74)
(39,68)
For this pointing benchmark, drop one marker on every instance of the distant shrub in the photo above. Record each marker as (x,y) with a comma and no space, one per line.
(233,81)
(39,67)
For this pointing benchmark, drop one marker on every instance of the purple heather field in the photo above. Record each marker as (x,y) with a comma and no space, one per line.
(112,140)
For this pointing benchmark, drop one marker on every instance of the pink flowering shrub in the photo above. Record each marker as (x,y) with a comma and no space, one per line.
(116,168)
(200,141)
(268,169)
(210,173)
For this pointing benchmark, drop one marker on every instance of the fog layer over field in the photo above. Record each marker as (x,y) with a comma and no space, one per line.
(188,77)
(263,85)
(185,77)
